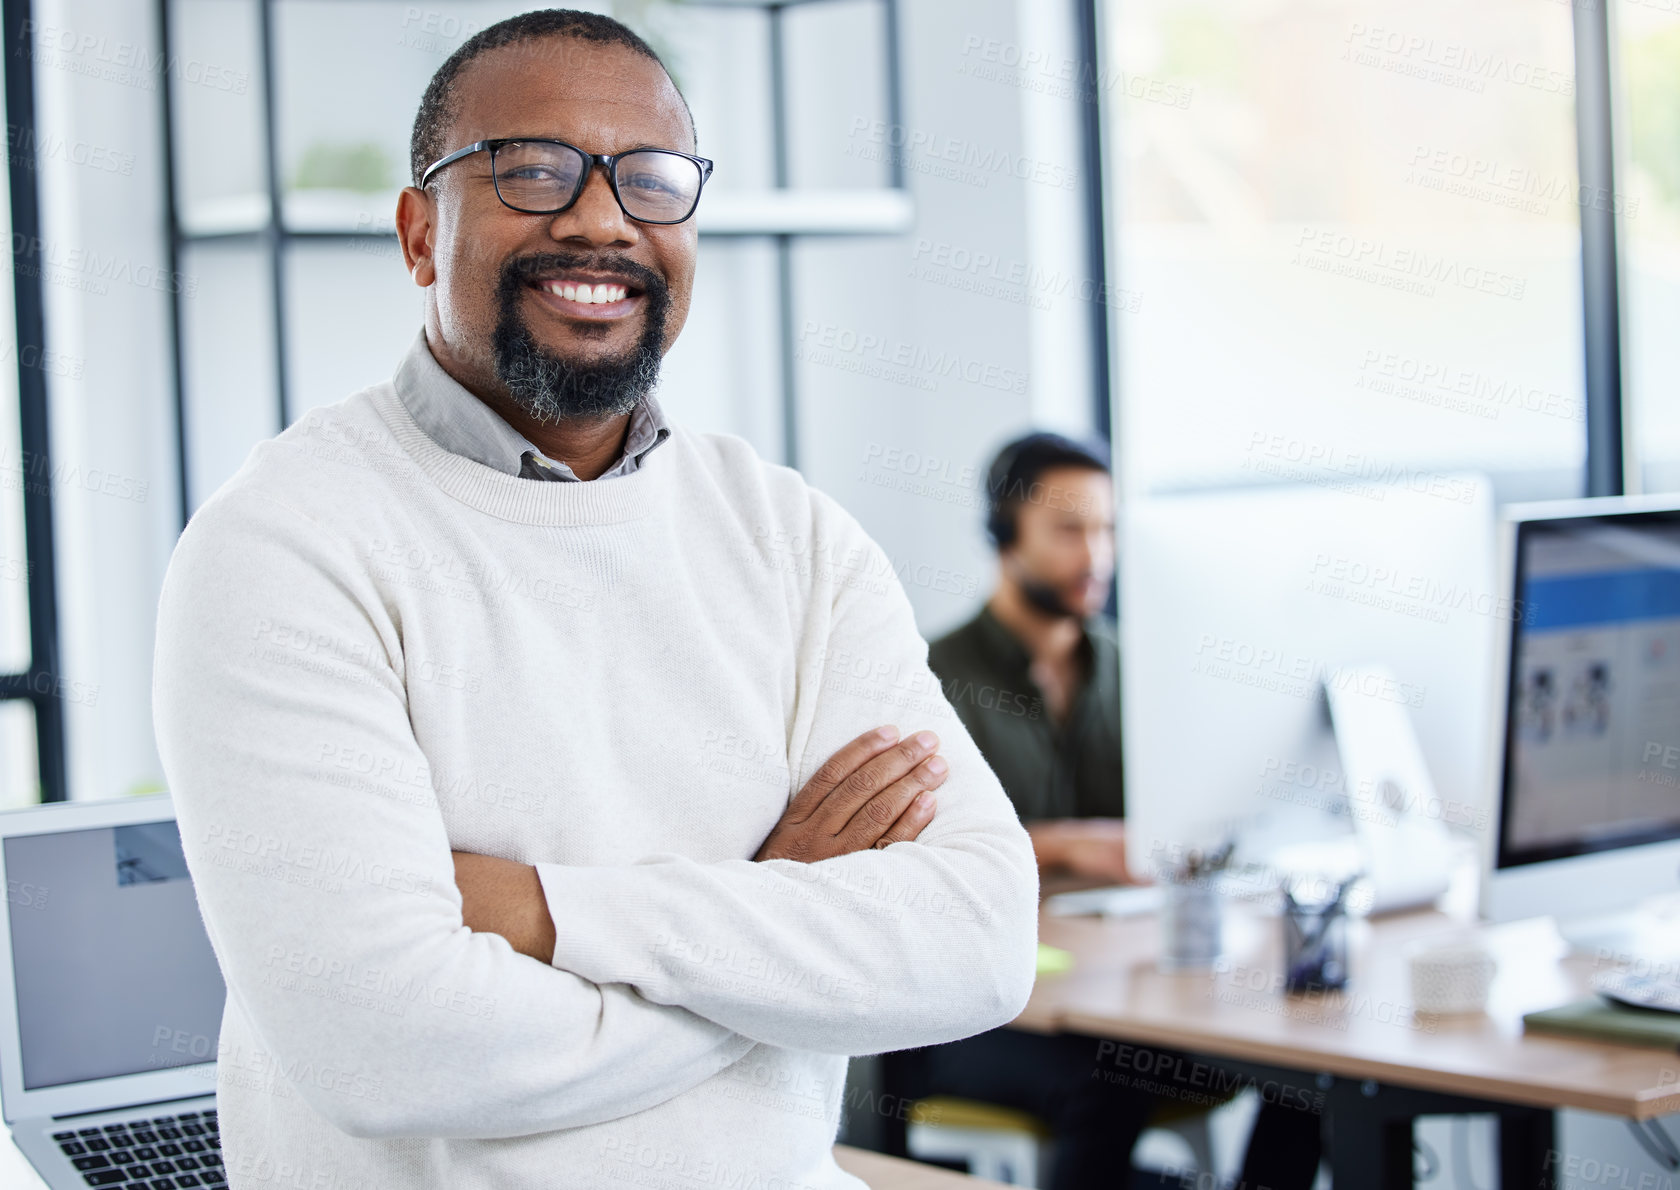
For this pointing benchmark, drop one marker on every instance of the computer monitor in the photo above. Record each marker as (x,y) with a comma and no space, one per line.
(1237,606)
(1589,780)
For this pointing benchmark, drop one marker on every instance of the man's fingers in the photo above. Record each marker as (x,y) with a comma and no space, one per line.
(876,816)
(871,777)
(911,822)
(836,769)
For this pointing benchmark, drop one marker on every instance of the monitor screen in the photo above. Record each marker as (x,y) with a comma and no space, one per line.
(1592,748)
(114,973)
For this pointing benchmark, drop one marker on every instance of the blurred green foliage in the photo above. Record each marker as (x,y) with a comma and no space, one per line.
(325,166)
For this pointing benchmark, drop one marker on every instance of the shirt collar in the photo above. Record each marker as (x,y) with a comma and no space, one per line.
(1006,648)
(463,424)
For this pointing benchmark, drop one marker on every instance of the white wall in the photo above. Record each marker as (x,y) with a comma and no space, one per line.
(957,358)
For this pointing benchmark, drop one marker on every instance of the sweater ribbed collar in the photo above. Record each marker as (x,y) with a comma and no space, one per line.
(526,501)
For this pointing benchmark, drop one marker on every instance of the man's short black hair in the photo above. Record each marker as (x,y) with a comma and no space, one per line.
(1016,469)
(437,105)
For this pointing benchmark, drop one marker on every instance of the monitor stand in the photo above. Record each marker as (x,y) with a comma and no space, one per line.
(1396,814)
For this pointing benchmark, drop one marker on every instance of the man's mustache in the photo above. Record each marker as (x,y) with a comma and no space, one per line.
(523,270)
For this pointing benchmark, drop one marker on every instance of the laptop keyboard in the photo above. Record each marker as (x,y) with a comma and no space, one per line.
(160,1153)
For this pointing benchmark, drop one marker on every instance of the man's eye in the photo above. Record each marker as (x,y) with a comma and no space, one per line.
(650,184)
(531,173)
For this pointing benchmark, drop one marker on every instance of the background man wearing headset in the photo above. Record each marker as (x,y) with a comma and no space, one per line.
(1035,677)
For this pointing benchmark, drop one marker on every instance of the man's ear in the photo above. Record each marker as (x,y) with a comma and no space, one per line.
(416,232)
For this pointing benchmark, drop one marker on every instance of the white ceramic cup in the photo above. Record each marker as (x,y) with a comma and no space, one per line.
(1450,976)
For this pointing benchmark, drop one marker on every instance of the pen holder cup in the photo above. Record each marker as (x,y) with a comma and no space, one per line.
(1315,946)
(1192,925)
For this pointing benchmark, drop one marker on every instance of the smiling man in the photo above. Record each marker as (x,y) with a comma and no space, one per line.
(560,805)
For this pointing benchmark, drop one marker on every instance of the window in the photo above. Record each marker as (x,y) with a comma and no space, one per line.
(1649,206)
(1349,234)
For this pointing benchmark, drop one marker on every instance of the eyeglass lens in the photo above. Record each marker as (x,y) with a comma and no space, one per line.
(652,184)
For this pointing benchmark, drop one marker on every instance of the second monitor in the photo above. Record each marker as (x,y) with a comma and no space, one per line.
(1239,607)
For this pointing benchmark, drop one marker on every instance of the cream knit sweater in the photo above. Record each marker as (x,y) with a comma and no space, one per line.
(371,651)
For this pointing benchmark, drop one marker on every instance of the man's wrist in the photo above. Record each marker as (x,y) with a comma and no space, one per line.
(1049,841)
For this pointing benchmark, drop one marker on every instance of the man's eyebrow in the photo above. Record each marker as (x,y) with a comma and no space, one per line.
(574,144)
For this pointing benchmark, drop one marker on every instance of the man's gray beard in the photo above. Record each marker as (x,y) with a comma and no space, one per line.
(549,389)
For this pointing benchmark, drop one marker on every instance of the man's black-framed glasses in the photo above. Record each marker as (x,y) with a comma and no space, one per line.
(545,177)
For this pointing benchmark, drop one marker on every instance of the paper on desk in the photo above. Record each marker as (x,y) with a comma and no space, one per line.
(1117,901)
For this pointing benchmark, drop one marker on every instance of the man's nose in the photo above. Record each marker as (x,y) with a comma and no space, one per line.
(596,215)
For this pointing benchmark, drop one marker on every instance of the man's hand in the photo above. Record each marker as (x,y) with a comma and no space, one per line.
(1093,847)
(874,791)
(503,896)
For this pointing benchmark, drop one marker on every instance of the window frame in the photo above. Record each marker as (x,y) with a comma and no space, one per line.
(39,683)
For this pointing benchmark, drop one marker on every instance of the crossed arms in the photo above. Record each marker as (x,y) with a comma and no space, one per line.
(926,940)
(876,791)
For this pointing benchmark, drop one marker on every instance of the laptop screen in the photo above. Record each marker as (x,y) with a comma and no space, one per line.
(114,972)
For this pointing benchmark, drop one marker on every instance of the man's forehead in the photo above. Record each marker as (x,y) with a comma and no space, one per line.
(603,97)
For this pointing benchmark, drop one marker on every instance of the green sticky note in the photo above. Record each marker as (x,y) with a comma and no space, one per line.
(1052,959)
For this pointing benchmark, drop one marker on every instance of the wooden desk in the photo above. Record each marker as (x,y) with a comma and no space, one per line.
(894,1173)
(1362,1041)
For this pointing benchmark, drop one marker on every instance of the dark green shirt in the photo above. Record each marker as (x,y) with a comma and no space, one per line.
(1070,771)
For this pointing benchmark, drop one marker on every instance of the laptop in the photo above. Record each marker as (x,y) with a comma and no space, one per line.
(110,999)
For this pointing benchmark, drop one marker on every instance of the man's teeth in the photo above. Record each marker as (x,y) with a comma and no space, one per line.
(587,294)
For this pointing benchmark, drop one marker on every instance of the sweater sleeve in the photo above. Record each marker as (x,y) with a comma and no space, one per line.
(332,906)
(918,943)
